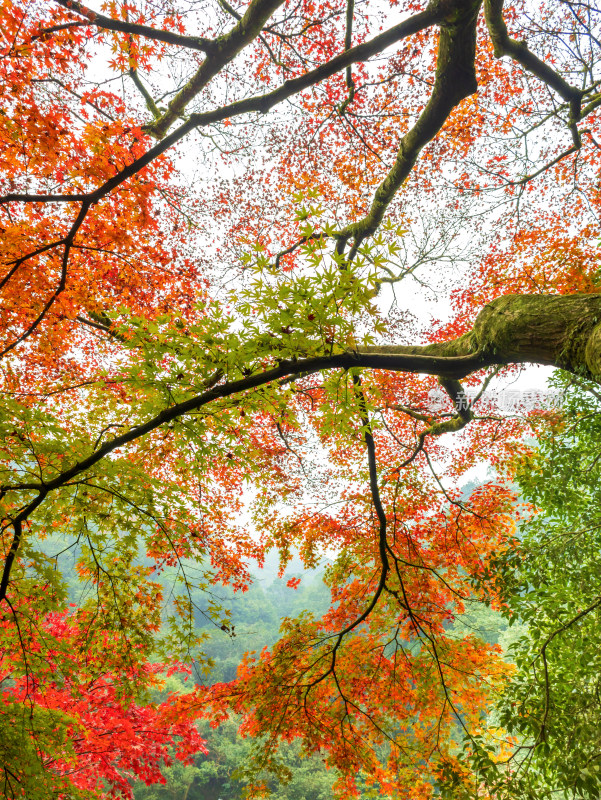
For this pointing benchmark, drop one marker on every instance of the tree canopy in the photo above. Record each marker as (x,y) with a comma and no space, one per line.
(244,246)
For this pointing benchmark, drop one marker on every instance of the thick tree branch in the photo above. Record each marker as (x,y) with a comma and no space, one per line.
(232,11)
(455,80)
(264,103)
(24,197)
(135,29)
(148,98)
(348,38)
(561,330)
(504,45)
(223,51)
(44,33)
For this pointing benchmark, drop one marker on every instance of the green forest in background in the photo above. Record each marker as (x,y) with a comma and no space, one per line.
(253,623)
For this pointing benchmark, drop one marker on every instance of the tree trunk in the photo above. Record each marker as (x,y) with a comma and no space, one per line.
(561,330)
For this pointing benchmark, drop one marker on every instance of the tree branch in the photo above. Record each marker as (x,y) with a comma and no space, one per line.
(223,51)
(135,29)
(455,80)
(504,45)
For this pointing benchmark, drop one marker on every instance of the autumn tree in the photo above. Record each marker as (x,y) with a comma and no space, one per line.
(216,220)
